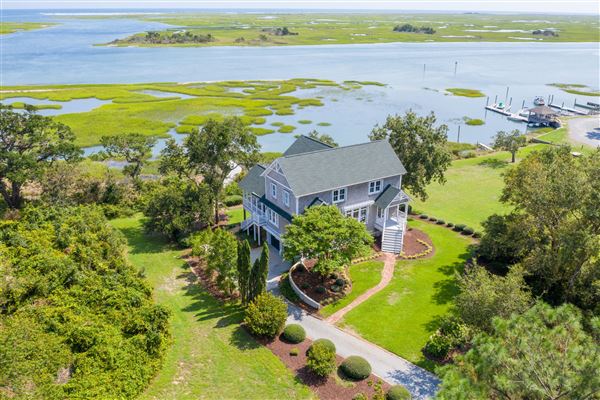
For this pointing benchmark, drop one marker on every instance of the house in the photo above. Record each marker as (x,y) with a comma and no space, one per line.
(363,180)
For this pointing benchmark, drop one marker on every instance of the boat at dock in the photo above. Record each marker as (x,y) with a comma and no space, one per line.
(539,101)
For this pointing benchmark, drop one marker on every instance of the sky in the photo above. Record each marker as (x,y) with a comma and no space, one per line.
(512,6)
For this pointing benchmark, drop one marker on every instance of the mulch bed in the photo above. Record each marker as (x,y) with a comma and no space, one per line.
(411,244)
(330,388)
(309,281)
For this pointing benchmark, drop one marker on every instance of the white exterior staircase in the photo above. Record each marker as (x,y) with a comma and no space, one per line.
(392,238)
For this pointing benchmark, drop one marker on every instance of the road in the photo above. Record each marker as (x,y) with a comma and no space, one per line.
(585,130)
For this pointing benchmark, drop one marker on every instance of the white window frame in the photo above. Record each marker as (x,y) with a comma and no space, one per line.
(340,194)
(273,190)
(380,212)
(286,198)
(273,217)
(375,188)
(361,214)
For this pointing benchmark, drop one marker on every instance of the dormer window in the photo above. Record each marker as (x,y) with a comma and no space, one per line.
(338,195)
(375,186)
(273,190)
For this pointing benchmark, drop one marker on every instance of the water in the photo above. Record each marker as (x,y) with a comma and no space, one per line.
(66,54)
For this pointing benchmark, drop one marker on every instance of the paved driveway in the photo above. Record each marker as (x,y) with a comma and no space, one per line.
(585,130)
(388,366)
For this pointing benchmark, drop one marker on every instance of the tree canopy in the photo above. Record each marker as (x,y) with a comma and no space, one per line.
(324,234)
(556,219)
(542,354)
(322,137)
(135,148)
(29,143)
(77,321)
(420,145)
(212,153)
(509,141)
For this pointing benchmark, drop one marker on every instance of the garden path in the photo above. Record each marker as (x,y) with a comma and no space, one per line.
(387,273)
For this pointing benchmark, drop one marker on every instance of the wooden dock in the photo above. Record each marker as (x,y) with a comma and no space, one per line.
(588,106)
(495,108)
(568,109)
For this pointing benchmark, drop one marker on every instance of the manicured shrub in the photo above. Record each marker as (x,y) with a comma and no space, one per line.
(294,333)
(398,392)
(433,219)
(459,227)
(320,289)
(325,342)
(335,288)
(423,216)
(266,315)
(449,224)
(477,234)
(440,222)
(467,231)
(356,367)
(294,352)
(233,200)
(451,334)
(340,282)
(320,359)
(438,345)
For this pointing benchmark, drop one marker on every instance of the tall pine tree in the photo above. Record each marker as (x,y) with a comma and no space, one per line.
(244,267)
(258,275)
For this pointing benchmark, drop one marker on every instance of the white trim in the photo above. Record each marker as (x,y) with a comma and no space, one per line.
(355,205)
(286,198)
(275,217)
(340,191)
(377,190)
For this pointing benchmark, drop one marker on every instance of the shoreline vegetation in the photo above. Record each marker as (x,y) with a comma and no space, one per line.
(214,29)
(154,109)
(12,27)
(465,92)
(576,89)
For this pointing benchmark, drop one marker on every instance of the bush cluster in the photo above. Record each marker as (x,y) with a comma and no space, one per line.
(294,333)
(451,334)
(321,358)
(233,200)
(356,367)
(266,315)
(423,216)
(459,227)
(398,392)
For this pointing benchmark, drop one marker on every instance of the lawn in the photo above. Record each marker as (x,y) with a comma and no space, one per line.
(211,356)
(364,276)
(345,28)
(401,317)
(235,215)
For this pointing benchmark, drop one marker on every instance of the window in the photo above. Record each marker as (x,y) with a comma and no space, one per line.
(273,217)
(375,187)
(359,214)
(338,195)
(286,198)
(273,190)
(380,212)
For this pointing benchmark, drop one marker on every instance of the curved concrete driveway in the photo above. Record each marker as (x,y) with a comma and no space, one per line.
(388,366)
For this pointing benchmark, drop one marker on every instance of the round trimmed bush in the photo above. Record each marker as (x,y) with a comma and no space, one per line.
(449,224)
(340,281)
(294,333)
(440,222)
(356,367)
(459,227)
(320,289)
(468,231)
(433,219)
(398,392)
(325,342)
(423,216)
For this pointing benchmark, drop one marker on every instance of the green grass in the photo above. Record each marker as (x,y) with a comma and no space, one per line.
(211,356)
(364,276)
(465,92)
(401,317)
(350,28)
(235,214)
(12,27)
(474,121)
(130,110)
(577,89)
(21,105)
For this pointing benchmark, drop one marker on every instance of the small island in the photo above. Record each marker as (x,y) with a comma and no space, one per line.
(12,27)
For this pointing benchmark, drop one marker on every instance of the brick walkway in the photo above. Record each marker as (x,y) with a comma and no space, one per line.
(386,276)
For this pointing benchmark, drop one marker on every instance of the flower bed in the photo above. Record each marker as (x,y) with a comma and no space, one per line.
(416,245)
(318,289)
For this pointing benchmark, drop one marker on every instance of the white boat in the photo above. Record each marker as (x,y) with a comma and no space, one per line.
(539,101)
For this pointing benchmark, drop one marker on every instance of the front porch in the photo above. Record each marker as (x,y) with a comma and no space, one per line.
(392,213)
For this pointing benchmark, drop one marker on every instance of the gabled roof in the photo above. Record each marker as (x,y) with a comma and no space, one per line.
(389,194)
(304,144)
(254,182)
(336,167)
(317,201)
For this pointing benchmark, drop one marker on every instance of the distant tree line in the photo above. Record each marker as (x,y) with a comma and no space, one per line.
(153,37)
(279,31)
(414,29)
